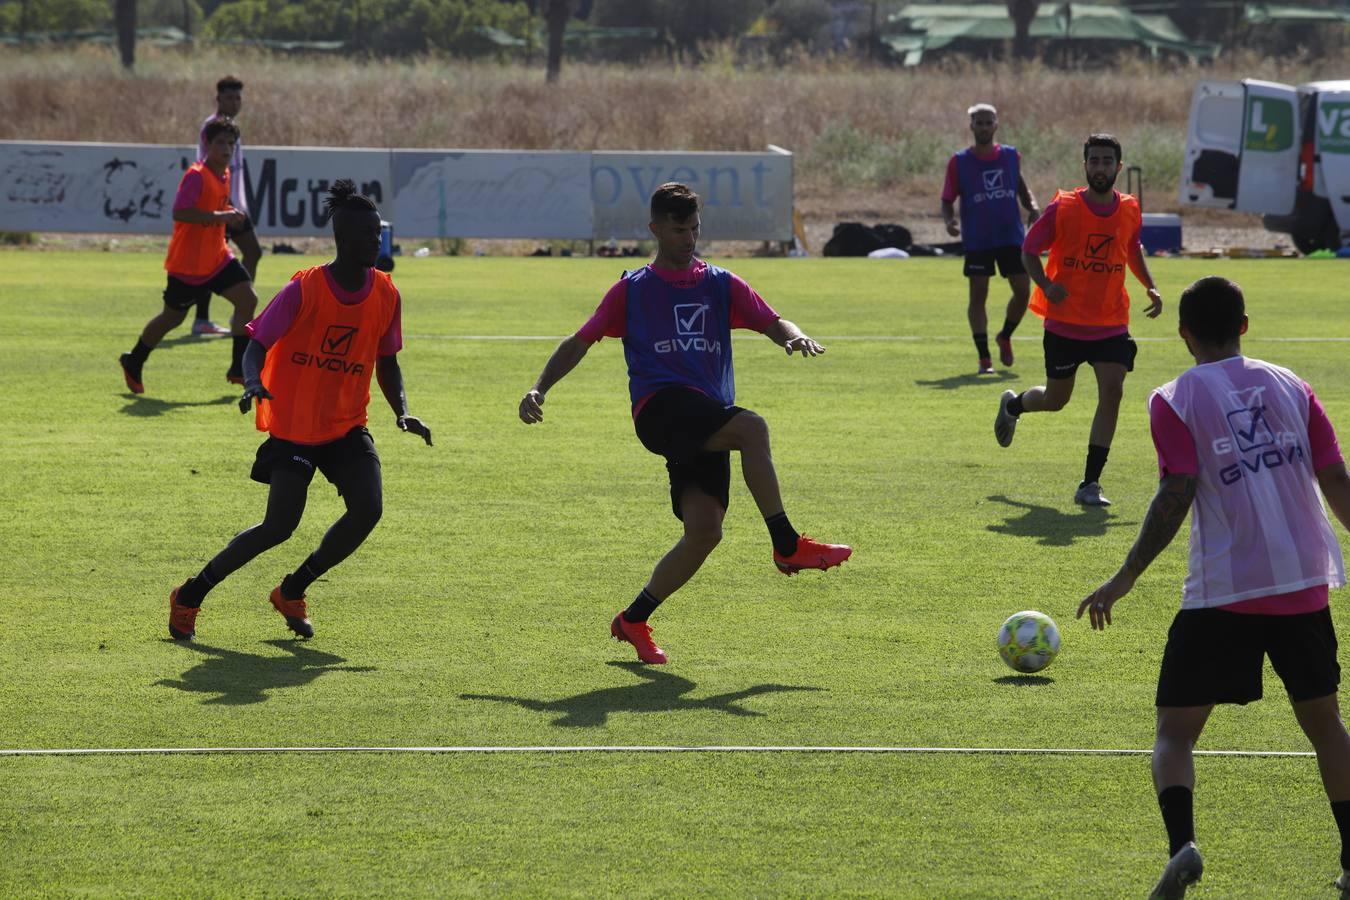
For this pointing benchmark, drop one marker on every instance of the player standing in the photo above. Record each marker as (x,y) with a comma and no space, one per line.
(309,365)
(1092,234)
(675,316)
(988,179)
(229,100)
(199,262)
(1244,446)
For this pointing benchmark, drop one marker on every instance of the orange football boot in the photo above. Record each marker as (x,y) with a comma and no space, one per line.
(182,619)
(295,613)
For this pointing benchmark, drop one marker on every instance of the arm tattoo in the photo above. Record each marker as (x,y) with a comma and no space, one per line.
(1165,515)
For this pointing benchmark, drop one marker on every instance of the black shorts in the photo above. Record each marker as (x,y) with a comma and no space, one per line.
(1064,355)
(336,459)
(181,295)
(244,227)
(1009,260)
(676,422)
(1215,656)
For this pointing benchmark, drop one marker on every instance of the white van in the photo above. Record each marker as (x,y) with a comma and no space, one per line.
(1273,149)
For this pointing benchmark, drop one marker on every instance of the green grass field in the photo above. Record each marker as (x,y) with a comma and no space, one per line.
(477,614)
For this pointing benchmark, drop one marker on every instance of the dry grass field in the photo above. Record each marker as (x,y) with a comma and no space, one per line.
(871,142)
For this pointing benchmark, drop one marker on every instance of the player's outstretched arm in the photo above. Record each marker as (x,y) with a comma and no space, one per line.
(1335,485)
(255,354)
(390,376)
(788,336)
(1139,266)
(1165,515)
(563,360)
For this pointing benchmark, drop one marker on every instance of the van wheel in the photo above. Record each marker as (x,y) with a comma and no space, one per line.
(1322,236)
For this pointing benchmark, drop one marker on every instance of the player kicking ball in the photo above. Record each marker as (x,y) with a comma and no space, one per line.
(675,317)
(308,365)
(1244,446)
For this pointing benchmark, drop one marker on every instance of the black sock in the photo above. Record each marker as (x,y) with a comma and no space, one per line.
(782,533)
(1009,327)
(195,590)
(294,585)
(203,310)
(1341,810)
(641,608)
(1177,805)
(982,344)
(140,352)
(1096,461)
(1015,407)
(237,352)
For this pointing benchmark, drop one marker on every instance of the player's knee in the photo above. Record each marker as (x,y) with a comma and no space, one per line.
(1055,402)
(1111,392)
(372,512)
(271,533)
(366,511)
(753,429)
(704,536)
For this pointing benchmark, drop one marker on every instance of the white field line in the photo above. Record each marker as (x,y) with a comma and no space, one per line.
(825,339)
(620,748)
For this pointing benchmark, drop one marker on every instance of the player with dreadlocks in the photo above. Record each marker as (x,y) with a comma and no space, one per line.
(308,366)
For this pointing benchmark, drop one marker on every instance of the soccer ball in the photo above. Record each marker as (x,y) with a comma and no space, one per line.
(1028,641)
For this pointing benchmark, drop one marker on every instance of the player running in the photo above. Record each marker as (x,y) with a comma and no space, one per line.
(1243,445)
(675,316)
(988,179)
(229,100)
(199,262)
(309,365)
(1092,234)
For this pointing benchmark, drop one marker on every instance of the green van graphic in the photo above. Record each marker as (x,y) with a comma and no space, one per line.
(1270,124)
(1333,128)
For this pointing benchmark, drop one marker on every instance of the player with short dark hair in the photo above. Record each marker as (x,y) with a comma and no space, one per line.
(309,365)
(1243,446)
(229,101)
(199,262)
(1092,234)
(675,317)
(988,179)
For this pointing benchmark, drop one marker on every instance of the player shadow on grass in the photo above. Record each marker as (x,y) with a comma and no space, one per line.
(1024,680)
(1053,527)
(238,679)
(968,379)
(661,692)
(142,406)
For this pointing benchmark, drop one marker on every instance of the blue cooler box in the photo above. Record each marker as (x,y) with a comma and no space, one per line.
(1160,232)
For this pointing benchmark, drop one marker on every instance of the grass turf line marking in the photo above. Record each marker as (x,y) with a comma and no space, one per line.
(620,748)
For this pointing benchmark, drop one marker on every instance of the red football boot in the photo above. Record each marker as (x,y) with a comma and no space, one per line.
(295,613)
(1005,354)
(131,373)
(639,634)
(182,619)
(812,554)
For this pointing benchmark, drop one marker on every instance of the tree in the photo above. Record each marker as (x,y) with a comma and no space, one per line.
(1022,13)
(556,14)
(125,14)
